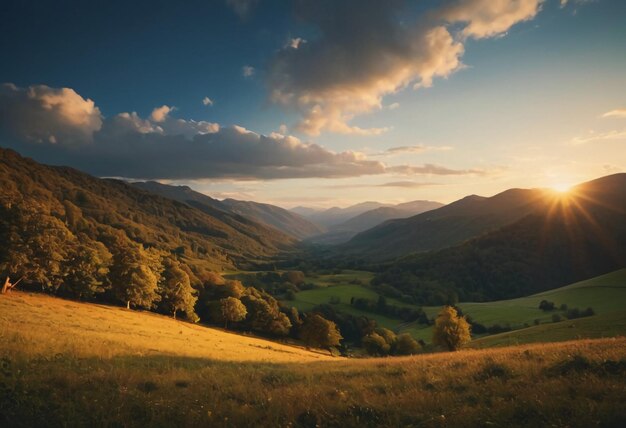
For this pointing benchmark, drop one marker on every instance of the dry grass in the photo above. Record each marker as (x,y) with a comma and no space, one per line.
(580,383)
(34,324)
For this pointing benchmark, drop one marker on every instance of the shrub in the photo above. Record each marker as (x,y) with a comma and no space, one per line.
(405,345)
(556,318)
(375,344)
(545,305)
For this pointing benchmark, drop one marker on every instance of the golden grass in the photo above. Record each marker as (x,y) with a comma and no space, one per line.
(35,324)
(578,383)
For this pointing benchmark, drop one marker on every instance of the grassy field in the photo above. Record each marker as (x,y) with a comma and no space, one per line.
(605,294)
(39,324)
(342,286)
(105,366)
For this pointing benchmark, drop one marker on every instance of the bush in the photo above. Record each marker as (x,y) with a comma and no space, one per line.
(556,318)
(545,305)
(405,345)
(375,344)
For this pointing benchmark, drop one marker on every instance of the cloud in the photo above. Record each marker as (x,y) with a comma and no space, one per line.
(159,114)
(58,126)
(418,148)
(367,50)
(393,106)
(488,18)
(247,71)
(41,114)
(620,112)
(414,149)
(207,101)
(431,169)
(406,184)
(295,43)
(600,136)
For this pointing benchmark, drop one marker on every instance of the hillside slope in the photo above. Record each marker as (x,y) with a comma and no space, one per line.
(79,204)
(578,235)
(54,326)
(446,226)
(285,221)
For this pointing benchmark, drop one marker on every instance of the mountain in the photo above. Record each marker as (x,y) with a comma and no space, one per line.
(335,215)
(74,205)
(288,222)
(270,215)
(446,226)
(571,237)
(304,211)
(343,232)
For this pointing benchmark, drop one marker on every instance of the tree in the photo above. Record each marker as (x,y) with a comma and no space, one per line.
(375,344)
(319,332)
(176,291)
(232,310)
(451,331)
(135,275)
(405,345)
(86,271)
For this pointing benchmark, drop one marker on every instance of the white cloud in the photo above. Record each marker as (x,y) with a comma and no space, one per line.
(393,106)
(365,52)
(207,101)
(43,114)
(620,112)
(599,136)
(159,114)
(247,71)
(488,18)
(295,43)
(165,147)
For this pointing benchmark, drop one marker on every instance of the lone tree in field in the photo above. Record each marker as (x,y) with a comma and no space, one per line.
(451,330)
(232,310)
(319,332)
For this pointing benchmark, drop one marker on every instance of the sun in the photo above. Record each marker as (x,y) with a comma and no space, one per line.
(561,187)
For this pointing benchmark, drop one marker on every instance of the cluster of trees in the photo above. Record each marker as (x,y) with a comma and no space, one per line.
(382,342)
(38,248)
(43,252)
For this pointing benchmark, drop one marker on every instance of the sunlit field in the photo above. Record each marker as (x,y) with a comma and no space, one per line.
(65,363)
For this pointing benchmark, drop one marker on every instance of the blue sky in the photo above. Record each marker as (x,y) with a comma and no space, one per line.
(517,93)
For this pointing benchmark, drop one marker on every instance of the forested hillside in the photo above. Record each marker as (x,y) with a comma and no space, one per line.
(63,230)
(287,222)
(577,236)
(446,226)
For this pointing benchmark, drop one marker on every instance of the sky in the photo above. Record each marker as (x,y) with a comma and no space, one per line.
(320,102)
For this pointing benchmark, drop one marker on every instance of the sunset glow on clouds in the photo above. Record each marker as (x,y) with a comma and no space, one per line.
(474,95)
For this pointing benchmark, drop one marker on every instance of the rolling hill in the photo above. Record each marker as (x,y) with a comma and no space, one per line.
(78,364)
(577,235)
(93,210)
(287,222)
(445,226)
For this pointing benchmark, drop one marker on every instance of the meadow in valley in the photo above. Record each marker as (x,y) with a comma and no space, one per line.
(68,364)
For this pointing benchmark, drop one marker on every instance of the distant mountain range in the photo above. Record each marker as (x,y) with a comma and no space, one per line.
(287,222)
(446,226)
(559,239)
(344,231)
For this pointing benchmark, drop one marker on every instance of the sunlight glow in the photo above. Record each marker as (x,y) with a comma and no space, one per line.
(561,187)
